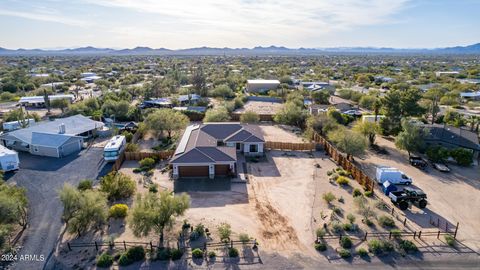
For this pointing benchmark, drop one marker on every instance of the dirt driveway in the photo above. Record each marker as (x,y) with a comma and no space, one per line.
(453,196)
(42,177)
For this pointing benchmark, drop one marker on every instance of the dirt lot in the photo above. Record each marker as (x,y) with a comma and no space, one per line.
(280,133)
(451,196)
(261,107)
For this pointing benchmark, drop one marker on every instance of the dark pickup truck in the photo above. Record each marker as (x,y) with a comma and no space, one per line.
(407,196)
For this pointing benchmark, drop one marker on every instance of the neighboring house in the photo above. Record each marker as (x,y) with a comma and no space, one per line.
(57,138)
(384,79)
(210,149)
(158,103)
(470,95)
(197,109)
(189,99)
(52,85)
(87,74)
(316,86)
(471,81)
(39,101)
(258,86)
(426,87)
(446,73)
(91,79)
(452,137)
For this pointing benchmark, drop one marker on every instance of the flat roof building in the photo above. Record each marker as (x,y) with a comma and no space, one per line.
(262,85)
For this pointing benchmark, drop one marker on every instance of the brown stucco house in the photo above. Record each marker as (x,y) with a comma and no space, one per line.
(210,149)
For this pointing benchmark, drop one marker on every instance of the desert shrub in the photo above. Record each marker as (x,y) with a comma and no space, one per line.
(132,147)
(381,205)
(233,252)
(164,254)
(386,221)
(342,180)
(334,177)
(337,227)
(356,192)
(320,246)
(136,253)
(137,170)
(368,193)
(362,252)
(320,232)
(328,197)
(124,260)
(347,227)
(176,254)
(329,173)
(342,172)
(341,200)
(118,210)
(337,210)
(244,238)
(147,163)
(344,253)
(185,225)
(85,184)
(128,136)
(153,188)
(105,260)
(377,246)
(212,254)
(368,222)
(396,233)
(346,242)
(408,246)
(224,231)
(450,240)
(117,185)
(351,218)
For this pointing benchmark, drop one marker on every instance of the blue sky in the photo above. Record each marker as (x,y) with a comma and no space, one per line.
(238,23)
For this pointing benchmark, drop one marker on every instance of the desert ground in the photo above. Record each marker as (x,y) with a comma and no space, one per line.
(452,196)
(261,107)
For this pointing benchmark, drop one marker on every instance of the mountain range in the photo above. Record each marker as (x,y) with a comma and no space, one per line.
(272,50)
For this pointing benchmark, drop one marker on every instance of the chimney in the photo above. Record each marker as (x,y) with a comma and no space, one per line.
(61,128)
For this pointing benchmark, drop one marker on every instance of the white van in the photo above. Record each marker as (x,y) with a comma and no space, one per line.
(392,175)
(114,148)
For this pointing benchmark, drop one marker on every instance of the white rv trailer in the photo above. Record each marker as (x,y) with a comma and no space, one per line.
(114,148)
(8,159)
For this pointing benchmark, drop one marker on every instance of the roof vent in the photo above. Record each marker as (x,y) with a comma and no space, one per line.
(61,128)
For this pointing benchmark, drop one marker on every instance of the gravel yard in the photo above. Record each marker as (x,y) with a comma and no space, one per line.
(261,107)
(42,177)
(451,196)
(279,133)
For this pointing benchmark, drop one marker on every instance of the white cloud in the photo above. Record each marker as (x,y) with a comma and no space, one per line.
(253,21)
(44,15)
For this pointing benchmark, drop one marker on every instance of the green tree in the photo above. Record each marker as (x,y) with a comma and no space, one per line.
(13,205)
(219,114)
(117,185)
(409,102)
(156,211)
(199,81)
(320,97)
(348,141)
(167,120)
(464,157)
(367,129)
(61,104)
(393,111)
(117,109)
(367,101)
(433,95)
(411,138)
(83,210)
(222,91)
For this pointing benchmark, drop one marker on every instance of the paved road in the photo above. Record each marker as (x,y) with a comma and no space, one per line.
(42,177)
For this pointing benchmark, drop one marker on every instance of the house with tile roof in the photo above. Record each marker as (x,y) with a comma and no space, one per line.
(210,149)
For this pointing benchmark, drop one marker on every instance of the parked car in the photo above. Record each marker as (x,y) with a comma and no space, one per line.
(353,112)
(440,167)
(407,196)
(393,175)
(418,162)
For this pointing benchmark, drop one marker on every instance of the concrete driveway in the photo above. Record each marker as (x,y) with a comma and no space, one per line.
(42,177)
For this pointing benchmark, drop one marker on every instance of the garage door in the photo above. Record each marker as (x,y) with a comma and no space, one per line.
(193,171)
(222,169)
(69,148)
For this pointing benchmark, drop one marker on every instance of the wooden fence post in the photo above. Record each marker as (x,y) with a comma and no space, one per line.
(414,234)
(390,235)
(438,234)
(69,247)
(231,243)
(393,209)
(420,235)
(96,245)
(405,222)
(151,246)
(456,229)
(365,237)
(124,245)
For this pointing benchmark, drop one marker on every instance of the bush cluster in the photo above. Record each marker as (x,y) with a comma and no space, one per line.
(118,210)
(321,246)
(233,252)
(344,253)
(386,221)
(343,180)
(356,192)
(105,260)
(377,246)
(346,242)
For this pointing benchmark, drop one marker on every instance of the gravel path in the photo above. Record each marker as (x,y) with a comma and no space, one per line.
(42,177)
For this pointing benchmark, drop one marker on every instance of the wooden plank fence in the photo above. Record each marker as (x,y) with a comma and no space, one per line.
(142,155)
(262,117)
(118,163)
(343,162)
(290,146)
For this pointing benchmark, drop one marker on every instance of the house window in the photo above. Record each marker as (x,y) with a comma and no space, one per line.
(253,148)
(239,146)
(220,143)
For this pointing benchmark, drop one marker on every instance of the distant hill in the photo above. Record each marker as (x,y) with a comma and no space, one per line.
(271,50)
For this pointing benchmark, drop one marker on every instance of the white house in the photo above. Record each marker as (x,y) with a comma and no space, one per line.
(262,85)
